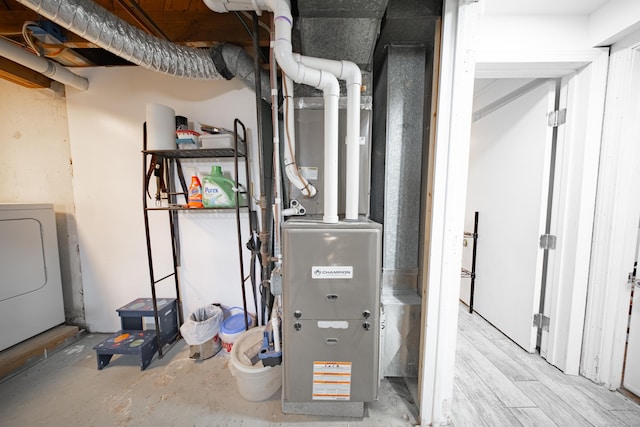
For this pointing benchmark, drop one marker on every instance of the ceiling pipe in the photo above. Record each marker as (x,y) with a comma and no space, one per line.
(42,65)
(102,28)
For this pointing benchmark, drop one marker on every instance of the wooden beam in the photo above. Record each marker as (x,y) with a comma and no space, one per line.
(22,75)
(35,349)
(180,26)
(142,18)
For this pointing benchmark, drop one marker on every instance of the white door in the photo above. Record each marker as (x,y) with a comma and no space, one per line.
(508,185)
(631,379)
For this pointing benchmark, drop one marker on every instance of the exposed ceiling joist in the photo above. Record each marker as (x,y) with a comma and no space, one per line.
(183,22)
(22,75)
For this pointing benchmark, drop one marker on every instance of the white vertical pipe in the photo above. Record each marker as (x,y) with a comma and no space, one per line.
(350,72)
(277,200)
(275,322)
(353,152)
(331,158)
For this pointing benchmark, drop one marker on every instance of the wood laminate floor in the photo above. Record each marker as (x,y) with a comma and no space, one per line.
(497,383)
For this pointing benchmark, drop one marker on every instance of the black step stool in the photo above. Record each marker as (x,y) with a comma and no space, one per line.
(133,339)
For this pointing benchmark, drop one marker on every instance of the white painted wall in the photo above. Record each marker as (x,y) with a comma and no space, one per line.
(613,21)
(517,33)
(36,166)
(508,25)
(105,128)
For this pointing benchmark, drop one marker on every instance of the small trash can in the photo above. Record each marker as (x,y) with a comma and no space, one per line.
(201,330)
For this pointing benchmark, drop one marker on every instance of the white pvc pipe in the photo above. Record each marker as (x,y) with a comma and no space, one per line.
(331,159)
(353,151)
(322,80)
(42,65)
(275,322)
(277,198)
(291,168)
(350,72)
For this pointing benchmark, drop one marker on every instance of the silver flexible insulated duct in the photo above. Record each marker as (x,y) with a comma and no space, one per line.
(99,26)
(241,66)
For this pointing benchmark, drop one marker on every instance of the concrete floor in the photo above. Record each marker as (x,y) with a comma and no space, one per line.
(66,389)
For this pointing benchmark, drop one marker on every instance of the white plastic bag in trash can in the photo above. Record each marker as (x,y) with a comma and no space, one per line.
(202,325)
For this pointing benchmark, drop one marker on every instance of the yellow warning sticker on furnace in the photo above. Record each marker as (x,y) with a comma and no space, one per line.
(331,380)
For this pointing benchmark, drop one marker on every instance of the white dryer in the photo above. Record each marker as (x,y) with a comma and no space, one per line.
(30,283)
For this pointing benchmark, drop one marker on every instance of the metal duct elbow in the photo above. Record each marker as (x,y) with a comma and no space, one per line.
(239,64)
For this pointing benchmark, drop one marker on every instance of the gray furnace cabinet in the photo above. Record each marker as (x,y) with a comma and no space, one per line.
(331,311)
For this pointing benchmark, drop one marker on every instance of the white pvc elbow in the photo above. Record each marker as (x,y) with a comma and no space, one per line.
(322,80)
(350,72)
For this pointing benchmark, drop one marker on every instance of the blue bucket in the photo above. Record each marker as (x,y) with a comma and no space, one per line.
(232,327)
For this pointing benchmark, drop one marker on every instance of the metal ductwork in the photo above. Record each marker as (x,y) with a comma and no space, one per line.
(326,25)
(408,22)
(99,26)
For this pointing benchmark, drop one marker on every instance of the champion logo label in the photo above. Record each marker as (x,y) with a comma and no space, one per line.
(332,272)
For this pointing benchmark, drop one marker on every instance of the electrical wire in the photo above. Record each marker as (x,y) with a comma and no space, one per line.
(4,37)
(262,24)
(27,37)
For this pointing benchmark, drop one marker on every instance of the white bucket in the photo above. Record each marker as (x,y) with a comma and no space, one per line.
(257,382)
(232,327)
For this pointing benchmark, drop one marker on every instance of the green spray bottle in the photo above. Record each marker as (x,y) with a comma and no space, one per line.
(217,190)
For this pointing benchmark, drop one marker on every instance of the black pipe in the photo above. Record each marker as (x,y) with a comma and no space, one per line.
(473,261)
(266,151)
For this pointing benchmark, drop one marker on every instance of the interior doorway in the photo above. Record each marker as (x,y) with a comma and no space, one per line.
(510,186)
(561,319)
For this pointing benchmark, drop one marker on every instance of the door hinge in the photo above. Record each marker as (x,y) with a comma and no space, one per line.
(557,118)
(548,241)
(541,321)
(632,276)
